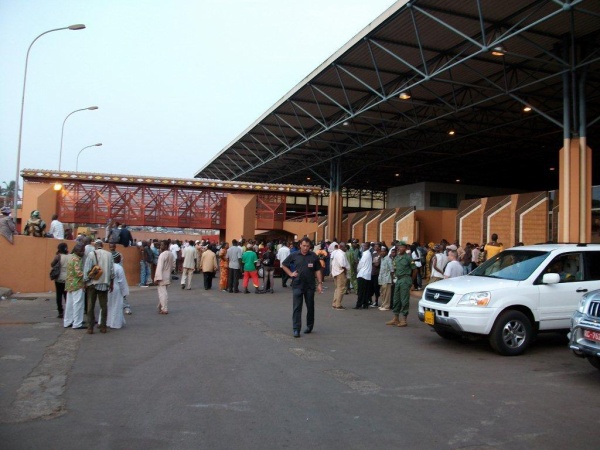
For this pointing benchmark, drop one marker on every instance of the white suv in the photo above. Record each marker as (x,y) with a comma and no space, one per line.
(513,295)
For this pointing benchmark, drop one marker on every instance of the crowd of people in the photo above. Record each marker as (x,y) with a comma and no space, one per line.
(380,275)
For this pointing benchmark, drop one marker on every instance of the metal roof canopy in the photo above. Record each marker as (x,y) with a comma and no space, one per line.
(348,111)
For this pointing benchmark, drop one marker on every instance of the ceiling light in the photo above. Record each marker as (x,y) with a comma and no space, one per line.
(451,132)
(307,178)
(346,123)
(458,180)
(404,96)
(526,108)
(552,169)
(57,186)
(397,174)
(498,50)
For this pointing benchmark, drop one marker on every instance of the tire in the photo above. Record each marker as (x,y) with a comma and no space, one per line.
(594,361)
(448,335)
(512,333)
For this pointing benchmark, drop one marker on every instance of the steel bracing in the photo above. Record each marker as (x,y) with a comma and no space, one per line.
(386,103)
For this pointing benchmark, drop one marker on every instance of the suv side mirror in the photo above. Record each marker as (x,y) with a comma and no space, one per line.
(551,278)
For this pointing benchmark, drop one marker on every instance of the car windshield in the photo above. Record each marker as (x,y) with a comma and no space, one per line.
(511,265)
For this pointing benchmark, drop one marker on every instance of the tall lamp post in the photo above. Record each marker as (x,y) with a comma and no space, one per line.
(77,161)
(91,108)
(16,193)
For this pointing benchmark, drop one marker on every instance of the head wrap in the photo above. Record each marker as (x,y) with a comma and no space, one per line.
(5,210)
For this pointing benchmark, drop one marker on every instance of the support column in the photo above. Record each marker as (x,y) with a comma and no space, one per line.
(575,188)
(241,216)
(334,211)
(575,176)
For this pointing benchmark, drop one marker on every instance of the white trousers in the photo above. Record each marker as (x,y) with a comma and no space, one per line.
(74,309)
(163,298)
(186,278)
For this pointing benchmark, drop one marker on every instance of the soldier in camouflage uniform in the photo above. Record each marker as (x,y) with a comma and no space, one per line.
(404,271)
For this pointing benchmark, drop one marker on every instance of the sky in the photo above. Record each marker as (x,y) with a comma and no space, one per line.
(174,81)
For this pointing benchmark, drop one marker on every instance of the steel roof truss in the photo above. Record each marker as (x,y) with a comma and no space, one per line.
(289,126)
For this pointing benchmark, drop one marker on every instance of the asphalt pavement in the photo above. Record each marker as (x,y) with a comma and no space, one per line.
(222,371)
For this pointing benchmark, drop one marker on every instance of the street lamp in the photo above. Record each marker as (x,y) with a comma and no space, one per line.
(91,108)
(79,26)
(77,161)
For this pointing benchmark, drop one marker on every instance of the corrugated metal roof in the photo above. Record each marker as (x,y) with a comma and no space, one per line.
(439,52)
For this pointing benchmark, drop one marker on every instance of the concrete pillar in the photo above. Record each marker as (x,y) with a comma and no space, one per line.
(241,216)
(575,192)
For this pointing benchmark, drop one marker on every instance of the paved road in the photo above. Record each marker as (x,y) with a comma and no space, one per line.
(222,371)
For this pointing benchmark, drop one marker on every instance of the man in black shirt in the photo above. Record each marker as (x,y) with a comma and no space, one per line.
(307,266)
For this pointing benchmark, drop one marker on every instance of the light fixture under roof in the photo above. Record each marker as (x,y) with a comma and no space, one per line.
(404,96)
(451,132)
(526,108)
(499,50)
(346,123)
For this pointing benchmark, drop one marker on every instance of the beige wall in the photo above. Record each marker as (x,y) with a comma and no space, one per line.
(300,228)
(29,260)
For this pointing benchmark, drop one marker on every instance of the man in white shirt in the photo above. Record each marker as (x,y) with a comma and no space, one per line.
(339,267)
(283,253)
(453,268)
(56,228)
(189,265)
(363,276)
(234,257)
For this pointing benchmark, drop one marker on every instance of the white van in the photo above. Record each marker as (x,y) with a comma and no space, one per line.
(514,295)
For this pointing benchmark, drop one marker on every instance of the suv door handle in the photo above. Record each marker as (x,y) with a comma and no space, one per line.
(581,290)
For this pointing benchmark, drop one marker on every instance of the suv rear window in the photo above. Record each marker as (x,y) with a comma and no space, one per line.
(515,265)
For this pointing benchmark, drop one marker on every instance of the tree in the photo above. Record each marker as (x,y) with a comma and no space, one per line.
(7,192)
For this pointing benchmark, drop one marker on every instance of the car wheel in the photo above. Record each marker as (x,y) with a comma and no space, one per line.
(447,335)
(511,333)
(594,361)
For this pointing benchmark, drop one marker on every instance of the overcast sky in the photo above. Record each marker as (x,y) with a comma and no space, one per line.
(175,81)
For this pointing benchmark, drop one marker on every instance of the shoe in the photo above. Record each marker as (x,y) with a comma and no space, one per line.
(225,290)
(258,291)
(296,333)
(307,330)
(90,331)
(189,289)
(284,285)
(271,291)
(164,312)
(231,291)
(394,321)
(103,329)
(381,308)
(183,286)
(338,307)
(402,322)
(236,292)
(365,306)
(69,326)
(81,327)
(143,285)
(246,291)
(357,307)
(374,305)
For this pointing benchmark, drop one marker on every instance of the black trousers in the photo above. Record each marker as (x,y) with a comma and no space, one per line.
(208,277)
(364,293)
(300,296)
(375,287)
(61,295)
(233,280)
(284,278)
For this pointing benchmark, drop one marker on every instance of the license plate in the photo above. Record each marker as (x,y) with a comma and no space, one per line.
(591,335)
(429,317)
